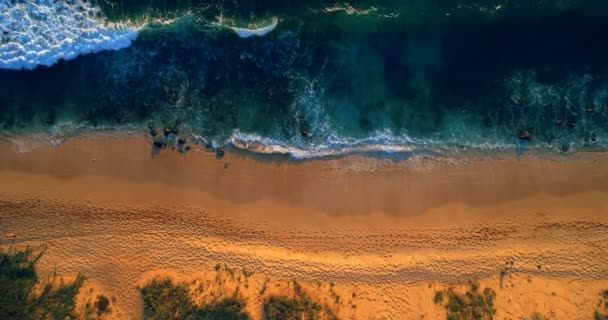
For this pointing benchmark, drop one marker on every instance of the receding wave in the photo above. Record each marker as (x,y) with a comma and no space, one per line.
(42,32)
(60,133)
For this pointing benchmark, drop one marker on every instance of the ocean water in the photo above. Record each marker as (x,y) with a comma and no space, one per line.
(310,78)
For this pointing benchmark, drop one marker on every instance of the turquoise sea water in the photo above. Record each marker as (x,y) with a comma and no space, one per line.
(312,78)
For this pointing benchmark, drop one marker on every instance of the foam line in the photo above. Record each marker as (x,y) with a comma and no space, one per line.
(41,32)
(246,33)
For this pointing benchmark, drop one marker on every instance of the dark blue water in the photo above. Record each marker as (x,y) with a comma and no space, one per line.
(319,78)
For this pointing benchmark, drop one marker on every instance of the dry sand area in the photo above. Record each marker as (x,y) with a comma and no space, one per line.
(387,234)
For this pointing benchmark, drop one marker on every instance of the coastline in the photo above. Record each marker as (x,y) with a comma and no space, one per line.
(107,208)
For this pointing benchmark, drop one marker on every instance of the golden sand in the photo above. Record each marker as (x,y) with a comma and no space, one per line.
(390,232)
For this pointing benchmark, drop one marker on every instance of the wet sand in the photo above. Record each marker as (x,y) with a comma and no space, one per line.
(391,231)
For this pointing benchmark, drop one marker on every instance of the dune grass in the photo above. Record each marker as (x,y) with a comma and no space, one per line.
(601,312)
(298,307)
(166,300)
(471,305)
(19,298)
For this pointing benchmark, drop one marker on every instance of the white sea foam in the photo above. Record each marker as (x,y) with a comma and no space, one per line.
(246,32)
(381,141)
(42,32)
(349,9)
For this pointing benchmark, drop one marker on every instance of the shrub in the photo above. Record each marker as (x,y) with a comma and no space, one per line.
(438,299)
(164,300)
(297,308)
(472,305)
(58,302)
(282,307)
(231,308)
(18,279)
(601,313)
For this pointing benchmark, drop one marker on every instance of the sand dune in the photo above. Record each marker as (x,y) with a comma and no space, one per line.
(390,232)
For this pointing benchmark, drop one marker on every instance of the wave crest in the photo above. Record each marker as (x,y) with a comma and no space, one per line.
(42,32)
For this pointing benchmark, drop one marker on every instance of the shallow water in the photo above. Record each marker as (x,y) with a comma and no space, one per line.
(313,79)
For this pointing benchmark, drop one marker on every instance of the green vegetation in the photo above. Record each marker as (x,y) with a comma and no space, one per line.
(18,299)
(438,299)
(299,307)
(93,310)
(472,305)
(230,308)
(537,316)
(164,300)
(601,313)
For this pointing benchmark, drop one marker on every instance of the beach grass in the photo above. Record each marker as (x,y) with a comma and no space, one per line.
(471,305)
(165,299)
(19,297)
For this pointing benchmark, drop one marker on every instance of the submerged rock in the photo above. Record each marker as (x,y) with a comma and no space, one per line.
(219,153)
(525,135)
(159,144)
(183,148)
(305,133)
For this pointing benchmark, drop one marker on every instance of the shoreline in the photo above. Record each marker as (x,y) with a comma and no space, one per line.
(107,208)
(130,159)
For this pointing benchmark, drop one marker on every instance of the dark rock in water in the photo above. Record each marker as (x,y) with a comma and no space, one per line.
(219,153)
(559,122)
(174,130)
(305,133)
(593,137)
(525,135)
(153,132)
(167,131)
(182,147)
(565,147)
(159,144)
(210,148)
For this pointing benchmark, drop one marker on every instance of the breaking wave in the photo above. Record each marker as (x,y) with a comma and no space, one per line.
(42,32)
(253,32)
(310,80)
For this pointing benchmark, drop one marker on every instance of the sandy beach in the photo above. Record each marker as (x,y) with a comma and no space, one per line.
(386,233)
